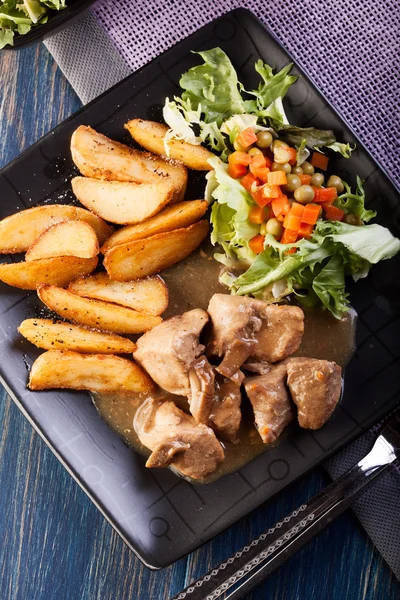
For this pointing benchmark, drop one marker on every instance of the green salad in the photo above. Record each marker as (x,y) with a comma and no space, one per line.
(20,17)
(285,225)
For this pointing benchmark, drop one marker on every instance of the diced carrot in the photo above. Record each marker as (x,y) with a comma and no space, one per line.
(277,178)
(320,161)
(297,209)
(290,251)
(257,163)
(268,161)
(271,191)
(311,214)
(324,194)
(247,137)
(293,156)
(289,236)
(280,207)
(332,213)
(262,174)
(239,158)
(305,230)
(305,179)
(257,215)
(248,180)
(292,222)
(259,198)
(256,244)
(237,171)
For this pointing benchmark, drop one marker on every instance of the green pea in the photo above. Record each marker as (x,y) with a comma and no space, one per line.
(307,167)
(336,182)
(317,180)
(297,171)
(265,139)
(352,219)
(304,194)
(286,168)
(293,182)
(274,227)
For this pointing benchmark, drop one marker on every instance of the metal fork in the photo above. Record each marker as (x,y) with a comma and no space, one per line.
(245,569)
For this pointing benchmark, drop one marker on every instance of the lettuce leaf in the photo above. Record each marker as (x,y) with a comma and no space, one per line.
(272,87)
(371,243)
(354,202)
(230,214)
(329,286)
(214,87)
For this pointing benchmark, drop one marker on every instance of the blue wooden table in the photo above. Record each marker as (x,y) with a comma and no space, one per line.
(54,542)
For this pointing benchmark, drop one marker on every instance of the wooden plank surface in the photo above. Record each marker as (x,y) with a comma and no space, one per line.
(54,542)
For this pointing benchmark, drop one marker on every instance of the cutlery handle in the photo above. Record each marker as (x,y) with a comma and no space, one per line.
(246,568)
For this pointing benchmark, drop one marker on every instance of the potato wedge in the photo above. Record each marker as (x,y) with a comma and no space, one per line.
(148,295)
(172,217)
(97,156)
(68,238)
(20,230)
(102,373)
(122,202)
(51,335)
(60,270)
(95,313)
(145,257)
(150,135)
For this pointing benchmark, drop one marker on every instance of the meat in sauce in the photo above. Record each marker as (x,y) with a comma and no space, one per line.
(315,386)
(226,416)
(168,351)
(176,439)
(243,327)
(271,402)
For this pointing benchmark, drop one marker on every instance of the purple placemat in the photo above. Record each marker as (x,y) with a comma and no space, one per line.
(351,51)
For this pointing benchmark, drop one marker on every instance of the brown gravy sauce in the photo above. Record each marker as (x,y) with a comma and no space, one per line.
(191,284)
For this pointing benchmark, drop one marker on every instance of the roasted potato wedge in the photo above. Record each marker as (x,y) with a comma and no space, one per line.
(102,373)
(122,202)
(145,257)
(150,135)
(95,313)
(97,156)
(148,295)
(68,238)
(20,230)
(60,270)
(172,217)
(51,335)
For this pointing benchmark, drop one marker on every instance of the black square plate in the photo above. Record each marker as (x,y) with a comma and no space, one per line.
(160,516)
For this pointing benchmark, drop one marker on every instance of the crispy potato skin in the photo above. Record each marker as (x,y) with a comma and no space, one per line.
(60,271)
(149,256)
(98,157)
(149,295)
(95,313)
(20,230)
(122,202)
(150,135)
(172,217)
(103,373)
(51,335)
(68,238)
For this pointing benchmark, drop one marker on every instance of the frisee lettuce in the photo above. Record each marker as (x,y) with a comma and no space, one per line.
(212,95)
